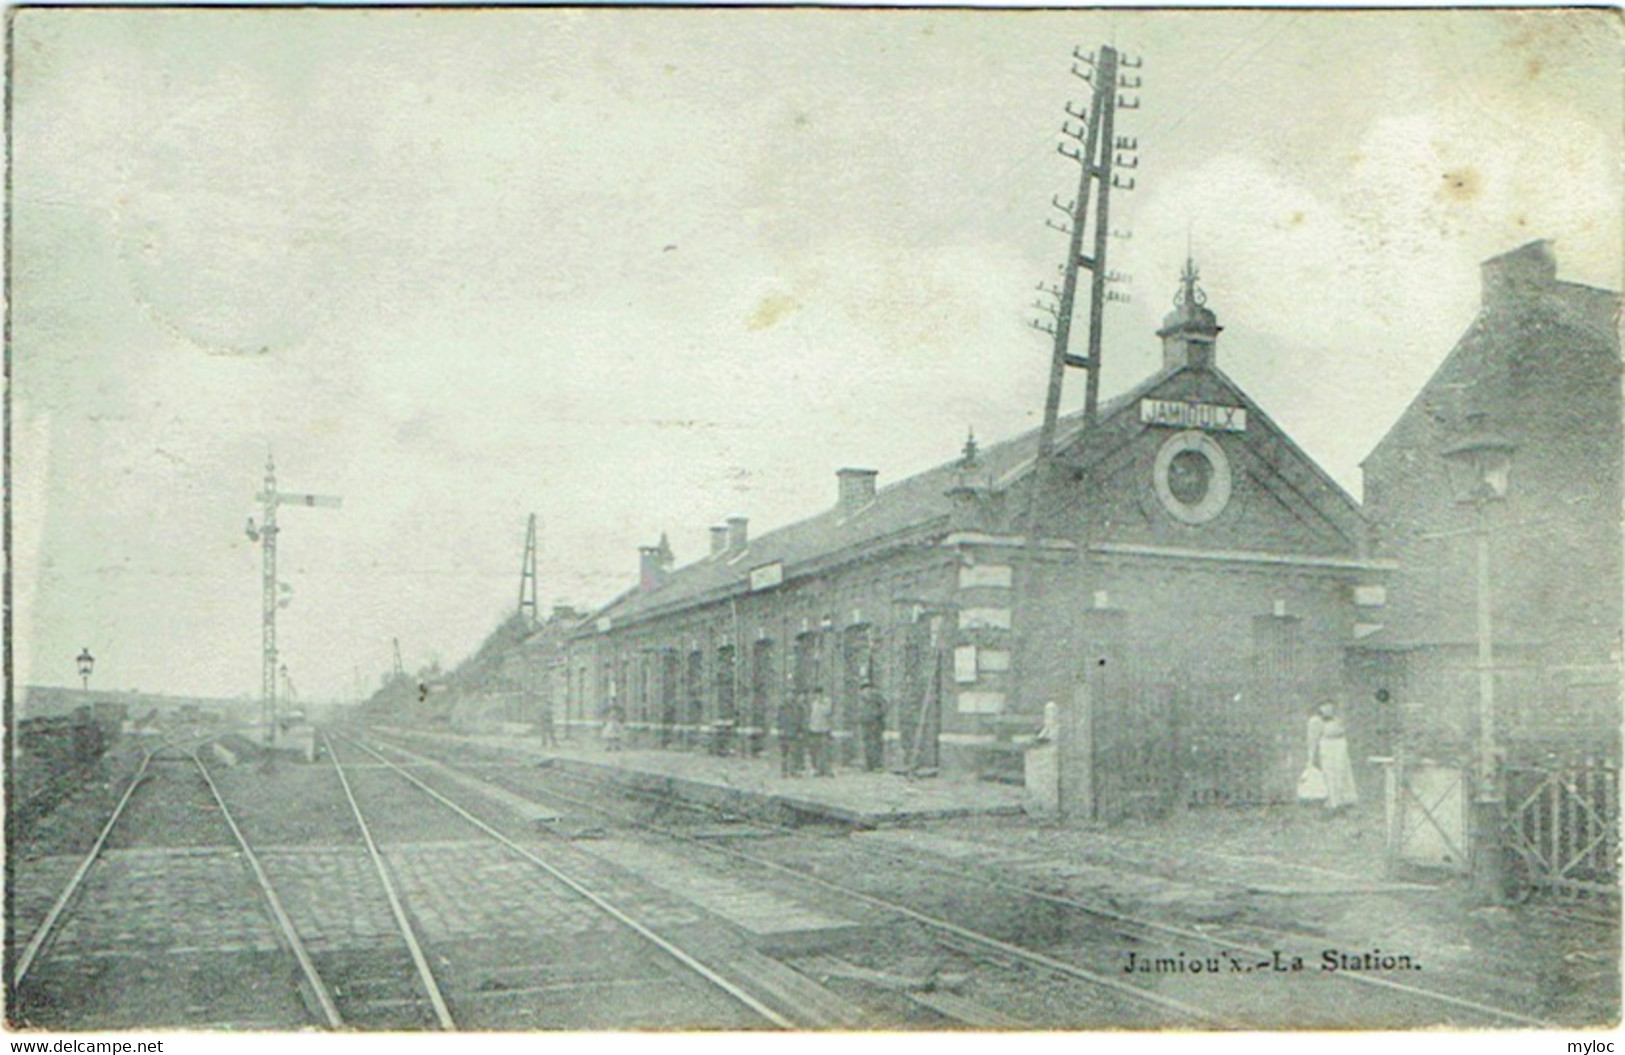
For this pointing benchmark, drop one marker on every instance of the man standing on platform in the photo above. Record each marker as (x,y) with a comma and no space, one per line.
(821,732)
(792,734)
(872,725)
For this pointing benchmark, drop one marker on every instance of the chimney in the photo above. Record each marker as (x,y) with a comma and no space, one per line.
(857,488)
(719,539)
(651,568)
(736,534)
(1189,332)
(655,564)
(1524,272)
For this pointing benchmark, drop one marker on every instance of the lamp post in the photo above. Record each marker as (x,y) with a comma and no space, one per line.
(1480,467)
(87,663)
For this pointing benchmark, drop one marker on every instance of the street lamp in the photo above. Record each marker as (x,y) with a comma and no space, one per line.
(1480,468)
(87,663)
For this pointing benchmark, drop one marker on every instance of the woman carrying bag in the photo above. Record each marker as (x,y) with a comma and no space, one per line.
(1328,777)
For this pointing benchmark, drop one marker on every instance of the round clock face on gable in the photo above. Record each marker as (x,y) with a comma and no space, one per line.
(1192,477)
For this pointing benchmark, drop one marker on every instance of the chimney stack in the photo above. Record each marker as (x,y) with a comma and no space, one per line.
(655,564)
(719,539)
(651,572)
(737,536)
(857,488)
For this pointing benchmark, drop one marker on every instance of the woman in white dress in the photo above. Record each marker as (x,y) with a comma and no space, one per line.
(1329,751)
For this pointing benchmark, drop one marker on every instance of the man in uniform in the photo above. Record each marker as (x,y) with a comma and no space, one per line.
(792,734)
(821,732)
(872,726)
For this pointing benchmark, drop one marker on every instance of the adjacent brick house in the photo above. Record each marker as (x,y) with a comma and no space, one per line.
(1539,365)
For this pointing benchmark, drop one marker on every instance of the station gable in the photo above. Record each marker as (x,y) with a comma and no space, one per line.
(1192,462)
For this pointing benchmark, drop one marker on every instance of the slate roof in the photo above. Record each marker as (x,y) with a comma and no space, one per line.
(915,505)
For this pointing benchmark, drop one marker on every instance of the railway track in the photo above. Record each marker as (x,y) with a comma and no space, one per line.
(1255,944)
(54,915)
(398,981)
(428,985)
(1097,987)
(588,879)
(1245,946)
(157,919)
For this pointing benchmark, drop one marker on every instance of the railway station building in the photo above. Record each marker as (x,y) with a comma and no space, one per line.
(1181,580)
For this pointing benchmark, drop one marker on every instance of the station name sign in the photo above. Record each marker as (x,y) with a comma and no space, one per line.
(766,576)
(1181,415)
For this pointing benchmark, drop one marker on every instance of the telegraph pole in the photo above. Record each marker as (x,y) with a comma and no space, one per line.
(1101,148)
(266,535)
(527,576)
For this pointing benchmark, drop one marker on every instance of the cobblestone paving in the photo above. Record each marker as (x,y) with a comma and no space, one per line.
(456,890)
(248,989)
(172,899)
(35,885)
(332,894)
(749,906)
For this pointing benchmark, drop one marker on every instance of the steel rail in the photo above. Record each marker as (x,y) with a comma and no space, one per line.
(47,927)
(945,926)
(606,906)
(1173,930)
(296,945)
(442,1013)
(1099,912)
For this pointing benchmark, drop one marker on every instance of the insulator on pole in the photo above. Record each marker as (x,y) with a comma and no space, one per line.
(1086,76)
(1127,162)
(1125,103)
(1121,185)
(1126,81)
(1130,64)
(1052,225)
(1083,57)
(1127,143)
(1125,235)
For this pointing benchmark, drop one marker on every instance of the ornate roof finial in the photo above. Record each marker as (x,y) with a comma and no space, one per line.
(970,451)
(1190,294)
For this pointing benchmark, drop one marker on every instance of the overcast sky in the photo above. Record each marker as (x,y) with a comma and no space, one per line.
(637,271)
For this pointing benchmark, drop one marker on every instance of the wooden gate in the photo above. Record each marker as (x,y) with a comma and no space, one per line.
(1171,741)
(1427,816)
(1223,743)
(1132,720)
(1562,825)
